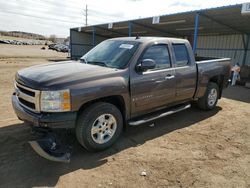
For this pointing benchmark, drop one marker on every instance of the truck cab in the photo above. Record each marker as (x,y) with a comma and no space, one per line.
(171,80)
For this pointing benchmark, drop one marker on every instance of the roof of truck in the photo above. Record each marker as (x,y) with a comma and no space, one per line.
(149,39)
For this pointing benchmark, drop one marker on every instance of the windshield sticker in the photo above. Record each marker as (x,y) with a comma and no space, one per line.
(126,46)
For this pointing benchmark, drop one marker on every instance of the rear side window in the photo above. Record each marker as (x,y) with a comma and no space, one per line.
(181,55)
(159,53)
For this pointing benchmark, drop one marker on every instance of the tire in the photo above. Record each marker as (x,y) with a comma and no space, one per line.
(210,98)
(99,126)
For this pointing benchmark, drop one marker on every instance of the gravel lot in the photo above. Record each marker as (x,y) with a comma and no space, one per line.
(190,149)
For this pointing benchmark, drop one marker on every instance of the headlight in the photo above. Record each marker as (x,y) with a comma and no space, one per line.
(55,101)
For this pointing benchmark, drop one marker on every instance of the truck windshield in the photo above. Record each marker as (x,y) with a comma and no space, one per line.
(111,53)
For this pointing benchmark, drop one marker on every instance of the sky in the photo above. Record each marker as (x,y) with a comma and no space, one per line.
(49,17)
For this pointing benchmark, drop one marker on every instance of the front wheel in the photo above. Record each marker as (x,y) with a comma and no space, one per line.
(99,126)
(210,98)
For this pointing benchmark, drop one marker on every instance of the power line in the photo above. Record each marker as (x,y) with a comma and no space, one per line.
(94,6)
(39,8)
(95,20)
(98,16)
(56,4)
(49,15)
(45,18)
(91,14)
(95,16)
(103,14)
(48,4)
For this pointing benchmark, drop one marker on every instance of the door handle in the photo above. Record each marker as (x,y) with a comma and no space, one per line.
(169,77)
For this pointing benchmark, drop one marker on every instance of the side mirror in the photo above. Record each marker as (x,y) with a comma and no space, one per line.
(146,64)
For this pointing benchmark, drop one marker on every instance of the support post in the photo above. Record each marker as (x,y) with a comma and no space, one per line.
(93,36)
(196,32)
(70,44)
(129,29)
(246,44)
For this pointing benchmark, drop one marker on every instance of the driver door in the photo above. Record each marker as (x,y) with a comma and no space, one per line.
(155,88)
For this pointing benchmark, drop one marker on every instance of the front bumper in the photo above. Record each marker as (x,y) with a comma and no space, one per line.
(51,120)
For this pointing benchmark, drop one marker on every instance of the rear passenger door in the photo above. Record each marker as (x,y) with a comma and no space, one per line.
(185,72)
(153,88)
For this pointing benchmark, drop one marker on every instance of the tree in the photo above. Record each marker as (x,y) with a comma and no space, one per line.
(52,38)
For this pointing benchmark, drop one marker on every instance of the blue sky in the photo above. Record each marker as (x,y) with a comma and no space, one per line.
(57,16)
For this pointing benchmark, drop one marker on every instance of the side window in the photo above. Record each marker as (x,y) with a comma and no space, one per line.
(181,55)
(159,53)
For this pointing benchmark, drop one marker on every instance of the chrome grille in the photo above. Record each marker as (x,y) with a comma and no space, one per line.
(27,97)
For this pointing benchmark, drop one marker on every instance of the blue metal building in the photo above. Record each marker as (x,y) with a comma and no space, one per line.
(216,32)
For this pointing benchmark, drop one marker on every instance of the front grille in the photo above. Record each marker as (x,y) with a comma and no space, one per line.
(31,93)
(27,103)
(27,97)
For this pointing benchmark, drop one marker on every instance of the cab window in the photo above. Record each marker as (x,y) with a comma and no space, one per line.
(181,55)
(160,54)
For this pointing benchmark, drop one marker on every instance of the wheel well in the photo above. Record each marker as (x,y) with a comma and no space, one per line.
(116,100)
(219,81)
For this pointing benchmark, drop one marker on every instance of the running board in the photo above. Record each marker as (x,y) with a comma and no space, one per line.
(157,116)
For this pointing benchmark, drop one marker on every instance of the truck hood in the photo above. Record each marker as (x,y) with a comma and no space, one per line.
(61,74)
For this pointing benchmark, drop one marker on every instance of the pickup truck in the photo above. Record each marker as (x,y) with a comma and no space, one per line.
(120,82)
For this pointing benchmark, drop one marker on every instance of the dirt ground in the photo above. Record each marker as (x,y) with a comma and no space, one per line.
(192,148)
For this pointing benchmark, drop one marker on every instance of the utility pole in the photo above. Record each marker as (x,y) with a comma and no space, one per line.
(86,15)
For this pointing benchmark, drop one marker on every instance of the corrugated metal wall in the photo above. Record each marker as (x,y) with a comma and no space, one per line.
(231,46)
(81,43)
(208,46)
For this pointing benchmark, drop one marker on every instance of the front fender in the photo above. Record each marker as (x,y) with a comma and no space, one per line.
(97,89)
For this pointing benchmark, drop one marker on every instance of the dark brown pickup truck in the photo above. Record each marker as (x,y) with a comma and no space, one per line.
(120,82)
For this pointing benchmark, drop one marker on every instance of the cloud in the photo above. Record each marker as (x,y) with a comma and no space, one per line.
(57,16)
(184,4)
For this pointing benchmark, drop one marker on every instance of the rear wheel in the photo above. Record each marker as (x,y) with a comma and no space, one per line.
(210,99)
(99,126)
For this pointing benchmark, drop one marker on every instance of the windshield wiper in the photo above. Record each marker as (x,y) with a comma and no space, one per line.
(84,60)
(101,63)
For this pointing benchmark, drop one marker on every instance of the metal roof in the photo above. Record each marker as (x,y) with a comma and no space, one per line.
(213,21)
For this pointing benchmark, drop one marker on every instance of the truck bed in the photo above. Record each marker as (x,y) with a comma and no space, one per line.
(200,58)
(215,69)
